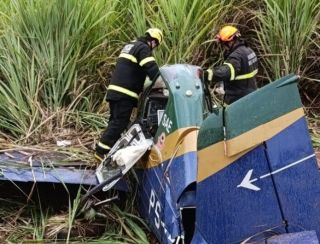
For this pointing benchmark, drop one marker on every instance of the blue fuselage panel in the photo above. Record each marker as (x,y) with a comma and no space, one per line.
(160,190)
(281,193)
(227,213)
(296,177)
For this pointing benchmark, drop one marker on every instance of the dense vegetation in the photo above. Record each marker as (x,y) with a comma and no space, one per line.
(56,56)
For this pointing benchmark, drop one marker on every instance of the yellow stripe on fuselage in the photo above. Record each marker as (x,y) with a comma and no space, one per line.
(212,159)
(181,141)
(262,132)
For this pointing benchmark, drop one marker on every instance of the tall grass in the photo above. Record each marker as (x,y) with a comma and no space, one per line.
(56,58)
(57,55)
(42,220)
(187,25)
(285,31)
(49,52)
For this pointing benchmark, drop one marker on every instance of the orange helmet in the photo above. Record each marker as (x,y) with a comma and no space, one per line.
(227,33)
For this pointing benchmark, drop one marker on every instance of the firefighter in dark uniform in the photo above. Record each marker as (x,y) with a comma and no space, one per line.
(239,69)
(134,63)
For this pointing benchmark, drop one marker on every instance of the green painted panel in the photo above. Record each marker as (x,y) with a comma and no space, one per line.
(186,98)
(270,102)
(211,130)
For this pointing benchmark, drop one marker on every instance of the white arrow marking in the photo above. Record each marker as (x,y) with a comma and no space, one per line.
(247,182)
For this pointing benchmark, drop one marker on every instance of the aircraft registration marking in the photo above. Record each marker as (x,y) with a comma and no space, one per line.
(155,207)
(167,123)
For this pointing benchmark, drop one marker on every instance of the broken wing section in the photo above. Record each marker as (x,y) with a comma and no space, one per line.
(123,156)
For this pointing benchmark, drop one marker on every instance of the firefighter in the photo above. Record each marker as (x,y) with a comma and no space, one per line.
(240,67)
(134,63)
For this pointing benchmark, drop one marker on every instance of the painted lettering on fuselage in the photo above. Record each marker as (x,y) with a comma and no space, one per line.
(167,123)
(155,209)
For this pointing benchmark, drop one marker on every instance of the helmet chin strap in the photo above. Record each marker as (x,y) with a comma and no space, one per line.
(230,44)
(152,44)
(149,44)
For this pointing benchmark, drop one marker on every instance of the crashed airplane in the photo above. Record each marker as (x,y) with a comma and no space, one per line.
(245,173)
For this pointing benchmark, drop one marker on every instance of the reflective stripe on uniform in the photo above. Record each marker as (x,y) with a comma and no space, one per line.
(104,146)
(128,56)
(98,157)
(240,77)
(146,60)
(232,75)
(247,76)
(123,90)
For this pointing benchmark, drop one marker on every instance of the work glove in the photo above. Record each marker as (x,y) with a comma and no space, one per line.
(147,83)
(219,88)
(208,75)
(159,83)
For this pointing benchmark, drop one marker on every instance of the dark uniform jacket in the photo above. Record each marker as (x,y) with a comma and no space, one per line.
(134,63)
(238,72)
